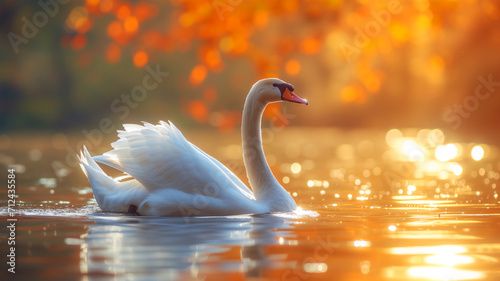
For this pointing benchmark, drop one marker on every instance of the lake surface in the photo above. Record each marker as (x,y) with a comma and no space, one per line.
(404,204)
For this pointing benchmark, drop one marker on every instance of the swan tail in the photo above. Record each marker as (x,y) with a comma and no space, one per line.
(113,195)
(102,184)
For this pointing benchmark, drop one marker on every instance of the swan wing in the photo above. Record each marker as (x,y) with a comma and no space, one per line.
(239,184)
(160,157)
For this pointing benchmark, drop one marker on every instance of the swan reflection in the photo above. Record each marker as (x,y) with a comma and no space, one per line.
(179,249)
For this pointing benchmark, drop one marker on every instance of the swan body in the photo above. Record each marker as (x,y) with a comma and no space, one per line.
(166,175)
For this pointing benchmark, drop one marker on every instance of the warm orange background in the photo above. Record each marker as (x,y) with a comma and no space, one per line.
(360,63)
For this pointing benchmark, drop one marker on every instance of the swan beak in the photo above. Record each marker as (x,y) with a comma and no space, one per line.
(291,96)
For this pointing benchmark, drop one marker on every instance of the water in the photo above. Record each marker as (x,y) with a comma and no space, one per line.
(375,205)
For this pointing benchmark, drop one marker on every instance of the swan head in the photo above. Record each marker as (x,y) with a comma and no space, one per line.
(275,90)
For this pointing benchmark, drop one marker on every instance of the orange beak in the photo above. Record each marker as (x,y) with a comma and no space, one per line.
(290,96)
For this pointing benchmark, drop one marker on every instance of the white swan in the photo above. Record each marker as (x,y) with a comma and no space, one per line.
(166,175)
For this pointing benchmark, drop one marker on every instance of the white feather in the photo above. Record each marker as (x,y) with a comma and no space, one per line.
(171,175)
(164,174)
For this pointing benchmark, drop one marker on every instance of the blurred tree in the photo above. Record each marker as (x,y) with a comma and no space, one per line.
(362,63)
(32,33)
(10,97)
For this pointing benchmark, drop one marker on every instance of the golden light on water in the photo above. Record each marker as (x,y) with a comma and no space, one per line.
(281,240)
(393,137)
(413,226)
(435,250)
(286,179)
(446,152)
(416,201)
(295,168)
(446,257)
(443,273)
(424,156)
(410,189)
(362,243)
(477,153)
(449,259)
(456,169)
(409,198)
(315,267)
(435,137)
(412,150)
(419,149)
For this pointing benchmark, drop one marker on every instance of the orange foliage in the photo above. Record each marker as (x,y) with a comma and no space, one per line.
(78,20)
(113,53)
(106,6)
(272,111)
(272,35)
(144,11)
(285,46)
(219,27)
(78,42)
(115,29)
(292,67)
(123,12)
(261,18)
(198,74)
(353,94)
(198,110)
(140,59)
(92,6)
(92,2)
(310,46)
(228,121)
(371,80)
(211,58)
(84,25)
(131,24)
(210,94)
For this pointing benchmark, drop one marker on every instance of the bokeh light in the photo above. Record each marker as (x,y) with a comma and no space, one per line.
(198,74)
(113,53)
(393,137)
(140,59)
(295,168)
(446,152)
(292,67)
(477,153)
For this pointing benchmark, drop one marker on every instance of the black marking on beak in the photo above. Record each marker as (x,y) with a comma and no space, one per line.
(283,87)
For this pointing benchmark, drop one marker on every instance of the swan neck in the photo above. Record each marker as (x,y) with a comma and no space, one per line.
(259,174)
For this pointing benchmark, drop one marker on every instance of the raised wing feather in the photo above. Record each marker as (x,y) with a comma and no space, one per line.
(240,185)
(158,156)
